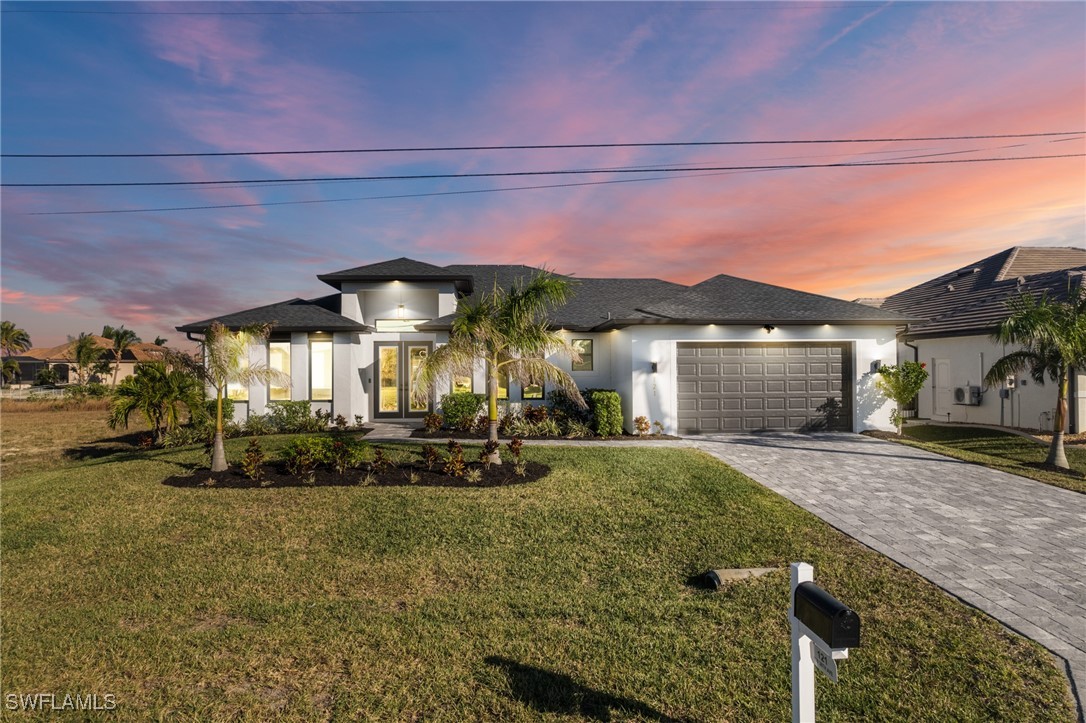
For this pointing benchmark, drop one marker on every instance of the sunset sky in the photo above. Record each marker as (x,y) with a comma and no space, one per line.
(221,77)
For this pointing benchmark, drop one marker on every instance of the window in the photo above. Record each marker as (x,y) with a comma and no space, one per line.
(279,359)
(235,391)
(584,348)
(532,391)
(462,384)
(320,370)
(503,385)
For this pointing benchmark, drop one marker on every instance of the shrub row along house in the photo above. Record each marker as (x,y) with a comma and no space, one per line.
(960,311)
(726,354)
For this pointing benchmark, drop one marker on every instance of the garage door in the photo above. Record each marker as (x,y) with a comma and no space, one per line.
(761,387)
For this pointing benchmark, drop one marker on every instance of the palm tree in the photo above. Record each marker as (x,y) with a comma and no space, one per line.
(510,333)
(122,339)
(159,341)
(1052,335)
(14,341)
(158,391)
(85,353)
(226,361)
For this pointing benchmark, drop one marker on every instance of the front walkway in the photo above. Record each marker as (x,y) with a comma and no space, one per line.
(1010,546)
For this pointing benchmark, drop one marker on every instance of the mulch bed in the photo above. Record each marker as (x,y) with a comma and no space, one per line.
(483,436)
(276,476)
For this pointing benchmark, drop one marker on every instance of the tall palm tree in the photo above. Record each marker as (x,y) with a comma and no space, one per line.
(510,333)
(122,340)
(14,341)
(85,353)
(226,361)
(1052,337)
(157,391)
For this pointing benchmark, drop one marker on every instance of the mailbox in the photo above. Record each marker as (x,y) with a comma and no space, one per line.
(827,617)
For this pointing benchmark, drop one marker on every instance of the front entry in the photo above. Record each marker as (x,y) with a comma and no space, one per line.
(395,365)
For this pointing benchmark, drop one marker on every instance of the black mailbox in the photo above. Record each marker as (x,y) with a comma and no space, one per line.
(827,617)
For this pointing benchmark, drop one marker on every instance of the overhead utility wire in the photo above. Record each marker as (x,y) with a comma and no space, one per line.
(542,146)
(416,195)
(508,174)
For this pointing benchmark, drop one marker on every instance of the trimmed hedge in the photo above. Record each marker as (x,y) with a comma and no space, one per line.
(606,408)
(461,408)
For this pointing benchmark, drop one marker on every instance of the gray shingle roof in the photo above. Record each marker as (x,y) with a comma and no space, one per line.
(293,315)
(973,299)
(403,268)
(728,299)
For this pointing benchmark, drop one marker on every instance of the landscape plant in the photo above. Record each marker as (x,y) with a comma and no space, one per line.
(123,339)
(900,384)
(641,425)
(508,330)
(252,464)
(159,392)
(46,376)
(606,408)
(461,409)
(1052,337)
(13,341)
(85,354)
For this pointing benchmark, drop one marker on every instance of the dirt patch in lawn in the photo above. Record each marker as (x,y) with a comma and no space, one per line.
(413,475)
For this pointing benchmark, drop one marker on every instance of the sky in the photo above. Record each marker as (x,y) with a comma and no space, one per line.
(154,78)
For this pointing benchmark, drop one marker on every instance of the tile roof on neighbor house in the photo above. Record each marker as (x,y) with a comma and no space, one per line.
(322,314)
(973,299)
(143,351)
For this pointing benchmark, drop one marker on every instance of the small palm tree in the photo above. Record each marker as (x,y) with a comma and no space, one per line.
(1052,335)
(122,340)
(158,392)
(85,353)
(159,341)
(226,361)
(14,341)
(510,333)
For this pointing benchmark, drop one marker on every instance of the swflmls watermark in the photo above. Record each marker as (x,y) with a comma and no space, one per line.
(59,701)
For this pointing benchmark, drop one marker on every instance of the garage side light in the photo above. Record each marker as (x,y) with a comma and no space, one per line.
(769,328)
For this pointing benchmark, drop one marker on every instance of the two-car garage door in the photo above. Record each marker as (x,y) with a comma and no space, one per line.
(747,387)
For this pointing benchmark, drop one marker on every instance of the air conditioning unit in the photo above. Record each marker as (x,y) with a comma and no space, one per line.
(967,395)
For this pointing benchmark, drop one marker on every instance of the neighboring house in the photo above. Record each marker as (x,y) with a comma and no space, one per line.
(62,359)
(962,309)
(725,354)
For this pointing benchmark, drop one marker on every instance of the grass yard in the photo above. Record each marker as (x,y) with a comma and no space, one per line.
(566,598)
(998,450)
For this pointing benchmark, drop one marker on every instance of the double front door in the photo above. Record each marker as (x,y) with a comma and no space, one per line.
(395,364)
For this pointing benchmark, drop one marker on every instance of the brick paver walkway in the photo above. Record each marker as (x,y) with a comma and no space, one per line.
(1010,546)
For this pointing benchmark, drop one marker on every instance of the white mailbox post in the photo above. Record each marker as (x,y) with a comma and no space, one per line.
(823,629)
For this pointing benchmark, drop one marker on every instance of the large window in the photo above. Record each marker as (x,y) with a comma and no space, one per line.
(279,359)
(584,348)
(235,391)
(320,370)
(532,391)
(462,384)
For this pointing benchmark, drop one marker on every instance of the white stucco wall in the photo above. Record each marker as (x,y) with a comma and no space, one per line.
(965,360)
(654,395)
(367,303)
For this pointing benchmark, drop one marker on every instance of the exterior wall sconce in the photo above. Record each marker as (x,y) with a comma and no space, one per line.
(769,328)
(654,366)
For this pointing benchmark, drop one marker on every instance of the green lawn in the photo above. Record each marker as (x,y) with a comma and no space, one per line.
(999,450)
(562,599)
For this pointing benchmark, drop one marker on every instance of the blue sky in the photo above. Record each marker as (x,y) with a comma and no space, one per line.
(222,77)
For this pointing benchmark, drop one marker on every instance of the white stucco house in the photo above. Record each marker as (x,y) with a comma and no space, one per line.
(726,354)
(961,310)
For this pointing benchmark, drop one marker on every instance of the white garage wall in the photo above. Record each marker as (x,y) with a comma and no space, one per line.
(654,395)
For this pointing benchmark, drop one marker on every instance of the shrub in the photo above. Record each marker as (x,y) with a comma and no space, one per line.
(474,475)
(505,421)
(431,456)
(227,411)
(186,436)
(516,444)
(521,427)
(358,421)
(547,428)
(563,403)
(454,464)
(252,464)
(490,447)
(900,384)
(380,460)
(481,424)
(92,390)
(345,454)
(520,468)
(46,376)
(433,422)
(574,429)
(641,425)
(321,420)
(535,415)
(461,409)
(606,412)
(290,417)
(341,423)
(257,425)
(657,427)
(302,456)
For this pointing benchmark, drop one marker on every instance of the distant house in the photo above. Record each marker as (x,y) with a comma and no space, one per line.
(961,309)
(61,359)
(726,354)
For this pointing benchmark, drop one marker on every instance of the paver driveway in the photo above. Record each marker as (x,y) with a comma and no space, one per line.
(1013,547)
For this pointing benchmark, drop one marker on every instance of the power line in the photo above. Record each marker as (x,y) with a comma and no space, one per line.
(543,146)
(453,193)
(223,12)
(508,174)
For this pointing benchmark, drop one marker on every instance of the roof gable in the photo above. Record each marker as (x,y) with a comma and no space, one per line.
(291,315)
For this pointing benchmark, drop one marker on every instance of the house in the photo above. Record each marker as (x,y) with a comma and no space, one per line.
(961,310)
(725,354)
(61,358)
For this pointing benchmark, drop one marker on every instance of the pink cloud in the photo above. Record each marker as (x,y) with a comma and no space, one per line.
(40,302)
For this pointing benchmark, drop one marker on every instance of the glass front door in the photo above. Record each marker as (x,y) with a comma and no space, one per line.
(396,365)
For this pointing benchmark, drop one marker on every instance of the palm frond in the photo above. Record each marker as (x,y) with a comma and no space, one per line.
(457,358)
